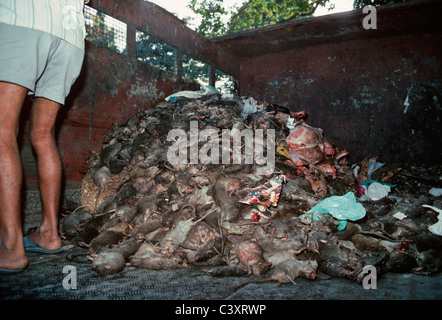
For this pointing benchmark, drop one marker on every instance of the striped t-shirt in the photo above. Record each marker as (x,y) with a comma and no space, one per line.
(61,18)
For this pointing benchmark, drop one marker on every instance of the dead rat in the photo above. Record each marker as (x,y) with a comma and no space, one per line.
(105,239)
(431,262)
(113,260)
(101,177)
(176,236)
(226,271)
(251,257)
(287,271)
(332,261)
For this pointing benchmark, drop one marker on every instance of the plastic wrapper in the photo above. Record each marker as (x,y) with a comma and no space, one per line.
(265,196)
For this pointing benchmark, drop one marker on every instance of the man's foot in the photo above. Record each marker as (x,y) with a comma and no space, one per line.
(12,260)
(42,241)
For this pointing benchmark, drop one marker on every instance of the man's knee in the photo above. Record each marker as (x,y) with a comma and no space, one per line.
(41,138)
(43,117)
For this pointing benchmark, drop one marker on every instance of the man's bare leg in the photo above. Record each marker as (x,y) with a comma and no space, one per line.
(43,117)
(12,254)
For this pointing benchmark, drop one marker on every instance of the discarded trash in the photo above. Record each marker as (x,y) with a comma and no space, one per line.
(372,166)
(369,182)
(437,192)
(291,123)
(305,144)
(399,215)
(437,227)
(265,196)
(342,208)
(250,107)
(377,191)
(205,91)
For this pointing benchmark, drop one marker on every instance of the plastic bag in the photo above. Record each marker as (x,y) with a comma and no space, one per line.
(374,190)
(342,208)
(437,192)
(372,166)
(377,191)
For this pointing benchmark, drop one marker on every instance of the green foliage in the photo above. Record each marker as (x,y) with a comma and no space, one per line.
(99,32)
(358,4)
(155,52)
(216,20)
(212,12)
(252,14)
(194,69)
(259,13)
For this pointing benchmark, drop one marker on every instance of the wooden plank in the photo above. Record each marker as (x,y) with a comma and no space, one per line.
(411,17)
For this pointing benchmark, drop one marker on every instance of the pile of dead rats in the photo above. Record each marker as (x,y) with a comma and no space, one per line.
(313,214)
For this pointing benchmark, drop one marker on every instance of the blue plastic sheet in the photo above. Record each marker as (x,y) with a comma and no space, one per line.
(342,208)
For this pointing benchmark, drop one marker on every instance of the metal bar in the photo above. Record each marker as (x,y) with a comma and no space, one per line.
(163,25)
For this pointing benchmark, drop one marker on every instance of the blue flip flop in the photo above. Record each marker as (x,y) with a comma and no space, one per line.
(30,247)
(10,271)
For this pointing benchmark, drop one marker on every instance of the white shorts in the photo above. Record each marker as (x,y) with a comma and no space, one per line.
(45,64)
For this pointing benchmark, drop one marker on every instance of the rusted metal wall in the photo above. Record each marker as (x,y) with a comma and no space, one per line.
(111,89)
(380,97)
(374,92)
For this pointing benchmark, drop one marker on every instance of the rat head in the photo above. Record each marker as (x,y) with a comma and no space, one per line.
(308,269)
(261,268)
(310,275)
